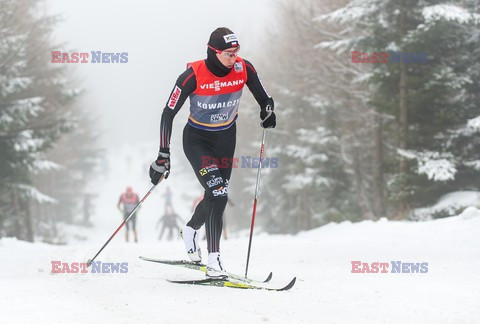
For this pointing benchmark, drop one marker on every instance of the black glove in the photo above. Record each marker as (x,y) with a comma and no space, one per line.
(268,117)
(159,166)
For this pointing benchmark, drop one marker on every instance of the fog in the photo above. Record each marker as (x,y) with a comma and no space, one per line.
(160,38)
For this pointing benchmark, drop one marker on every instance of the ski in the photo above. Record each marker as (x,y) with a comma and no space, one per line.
(232,283)
(201,267)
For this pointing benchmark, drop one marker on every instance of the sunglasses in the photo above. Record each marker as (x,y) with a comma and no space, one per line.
(226,54)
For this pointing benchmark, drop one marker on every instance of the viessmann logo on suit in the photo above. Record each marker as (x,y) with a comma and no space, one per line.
(218,85)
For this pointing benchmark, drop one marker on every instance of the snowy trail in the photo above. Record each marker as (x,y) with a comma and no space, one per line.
(326,291)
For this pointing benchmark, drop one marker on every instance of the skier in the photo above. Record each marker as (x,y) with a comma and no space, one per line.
(214,86)
(168,199)
(129,200)
(169,221)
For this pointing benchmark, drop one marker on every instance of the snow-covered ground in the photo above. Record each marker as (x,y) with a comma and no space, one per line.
(326,290)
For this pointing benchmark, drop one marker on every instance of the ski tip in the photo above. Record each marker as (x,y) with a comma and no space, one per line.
(269,277)
(290,285)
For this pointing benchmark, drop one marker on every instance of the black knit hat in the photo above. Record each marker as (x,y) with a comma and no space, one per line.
(223,38)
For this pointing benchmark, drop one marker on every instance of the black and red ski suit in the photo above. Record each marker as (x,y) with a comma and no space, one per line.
(210,133)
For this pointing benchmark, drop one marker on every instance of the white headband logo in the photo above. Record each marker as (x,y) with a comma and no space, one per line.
(230,38)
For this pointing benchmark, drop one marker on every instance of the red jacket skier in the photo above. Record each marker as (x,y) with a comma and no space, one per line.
(128,200)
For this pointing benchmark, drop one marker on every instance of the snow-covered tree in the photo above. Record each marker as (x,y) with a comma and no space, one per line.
(321,126)
(429,102)
(36,109)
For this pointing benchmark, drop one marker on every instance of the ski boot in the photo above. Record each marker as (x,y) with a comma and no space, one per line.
(215,269)
(190,238)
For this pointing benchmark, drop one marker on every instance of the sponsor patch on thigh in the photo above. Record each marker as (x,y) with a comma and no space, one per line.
(207,169)
(214,181)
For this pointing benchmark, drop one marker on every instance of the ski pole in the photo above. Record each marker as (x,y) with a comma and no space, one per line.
(262,155)
(164,176)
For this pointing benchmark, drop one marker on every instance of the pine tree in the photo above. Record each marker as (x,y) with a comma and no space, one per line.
(320,167)
(428,102)
(36,109)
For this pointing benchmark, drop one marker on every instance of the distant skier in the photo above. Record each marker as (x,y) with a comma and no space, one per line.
(169,221)
(215,87)
(168,199)
(128,200)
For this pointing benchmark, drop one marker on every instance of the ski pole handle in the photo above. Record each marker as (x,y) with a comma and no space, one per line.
(269,111)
